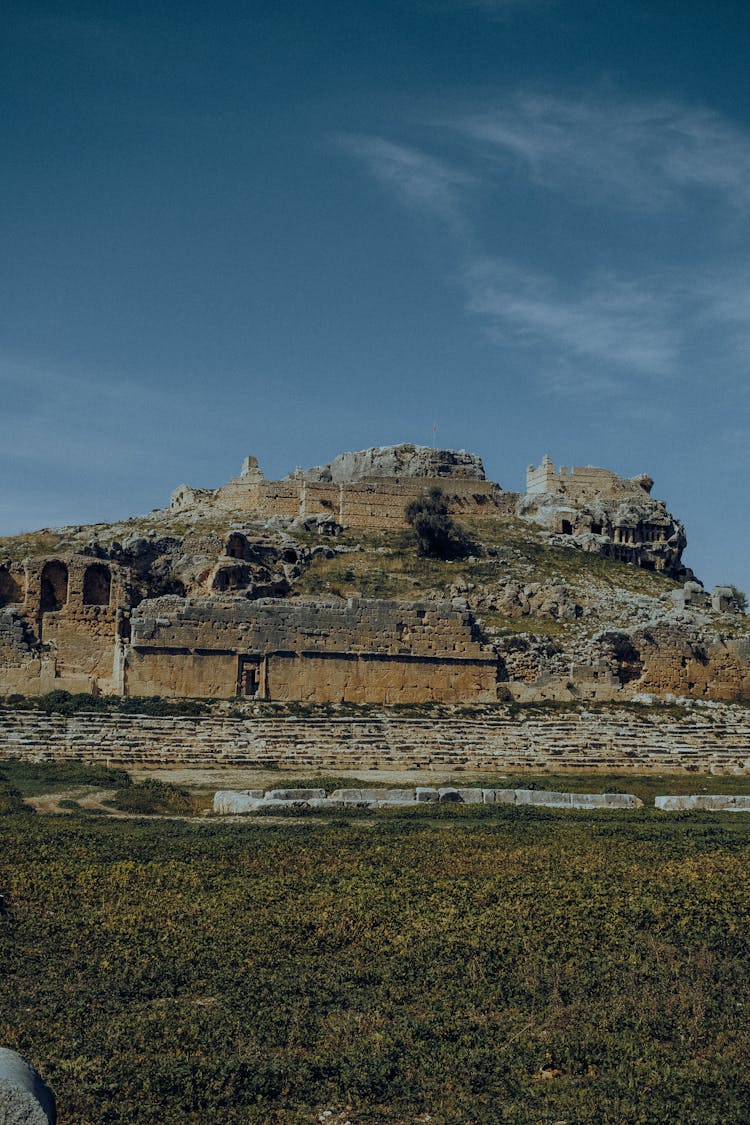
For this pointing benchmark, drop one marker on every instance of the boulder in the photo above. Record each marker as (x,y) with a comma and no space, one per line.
(25,1099)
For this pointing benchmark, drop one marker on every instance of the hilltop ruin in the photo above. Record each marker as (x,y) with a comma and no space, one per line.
(215,596)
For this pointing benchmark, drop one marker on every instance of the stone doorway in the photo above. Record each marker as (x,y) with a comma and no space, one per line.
(251,677)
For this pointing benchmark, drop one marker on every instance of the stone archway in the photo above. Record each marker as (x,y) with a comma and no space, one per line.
(97,585)
(10,591)
(54,587)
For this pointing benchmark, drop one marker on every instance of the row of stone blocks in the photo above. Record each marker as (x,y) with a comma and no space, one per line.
(385,741)
(233,801)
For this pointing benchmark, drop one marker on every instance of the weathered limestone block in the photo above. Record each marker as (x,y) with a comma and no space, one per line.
(471,796)
(356,796)
(25,1099)
(229,801)
(502,797)
(295,794)
(426,793)
(552,800)
(704,803)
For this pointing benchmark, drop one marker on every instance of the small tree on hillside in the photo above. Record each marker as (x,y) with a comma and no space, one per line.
(740,599)
(438,536)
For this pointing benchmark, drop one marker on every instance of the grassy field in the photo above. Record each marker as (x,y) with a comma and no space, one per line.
(488,965)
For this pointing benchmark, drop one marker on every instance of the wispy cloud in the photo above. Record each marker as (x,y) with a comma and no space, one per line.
(593,327)
(643,154)
(608,321)
(423,182)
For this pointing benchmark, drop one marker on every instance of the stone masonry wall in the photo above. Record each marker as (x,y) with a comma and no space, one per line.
(357,650)
(618,741)
(373,504)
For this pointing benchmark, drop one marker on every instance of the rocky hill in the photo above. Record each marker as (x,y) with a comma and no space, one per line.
(573,590)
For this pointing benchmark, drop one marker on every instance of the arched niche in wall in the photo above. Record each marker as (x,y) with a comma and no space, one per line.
(54,587)
(236,546)
(10,591)
(97,585)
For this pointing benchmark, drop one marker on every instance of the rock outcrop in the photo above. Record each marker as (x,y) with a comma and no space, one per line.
(398,461)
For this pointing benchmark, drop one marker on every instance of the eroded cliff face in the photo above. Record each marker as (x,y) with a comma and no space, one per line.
(571,593)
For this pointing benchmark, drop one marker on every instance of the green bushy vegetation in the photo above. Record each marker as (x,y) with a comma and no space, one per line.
(159,798)
(438,536)
(532,968)
(390,565)
(65,703)
(32,778)
(11,800)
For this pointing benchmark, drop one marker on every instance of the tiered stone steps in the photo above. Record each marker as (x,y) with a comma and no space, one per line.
(586,741)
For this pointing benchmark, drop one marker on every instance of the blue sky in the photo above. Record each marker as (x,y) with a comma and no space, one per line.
(290,229)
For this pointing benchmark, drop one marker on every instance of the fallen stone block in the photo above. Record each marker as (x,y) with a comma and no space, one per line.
(545,798)
(425,793)
(542,797)
(357,796)
(294,794)
(25,1099)
(231,801)
(471,796)
(399,795)
(278,804)
(503,796)
(622,801)
(704,802)
(448,795)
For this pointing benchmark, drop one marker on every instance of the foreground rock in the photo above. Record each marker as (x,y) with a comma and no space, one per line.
(25,1099)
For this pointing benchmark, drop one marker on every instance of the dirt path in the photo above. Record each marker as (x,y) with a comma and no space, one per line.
(86,798)
(48,804)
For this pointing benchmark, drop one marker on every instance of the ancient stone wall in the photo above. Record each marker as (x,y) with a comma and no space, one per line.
(673,662)
(60,632)
(718,741)
(356,650)
(374,504)
(583,482)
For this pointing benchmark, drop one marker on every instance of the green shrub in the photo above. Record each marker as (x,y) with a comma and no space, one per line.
(438,537)
(152,797)
(11,800)
(44,777)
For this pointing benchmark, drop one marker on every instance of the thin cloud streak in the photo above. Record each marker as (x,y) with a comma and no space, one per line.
(611,321)
(421,181)
(610,328)
(649,154)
